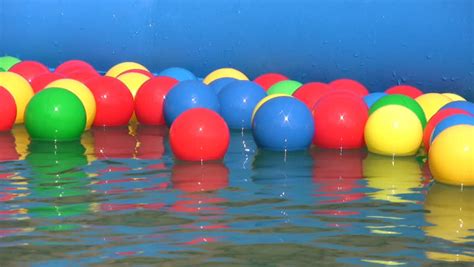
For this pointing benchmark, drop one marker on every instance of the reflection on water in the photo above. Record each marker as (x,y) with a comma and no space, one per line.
(118,196)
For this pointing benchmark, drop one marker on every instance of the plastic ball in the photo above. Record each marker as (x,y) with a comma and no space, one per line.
(339,120)
(224,73)
(187,95)
(407,90)
(1,70)
(401,100)
(310,93)
(71,66)
(464,105)
(199,134)
(435,120)
(20,90)
(283,124)
(29,69)
(454,97)
(393,130)
(133,81)
(431,103)
(287,87)
(144,72)
(83,93)
(55,114)
(351,85)
(268,79)
(263,101)
(6,62)
(149,101)
(218,84)
(371,98)
(124,66)
(114,102)
(83,75)
(450,121)
(7,109)
(179,74)
(451,156)
(237,101)
(39,82)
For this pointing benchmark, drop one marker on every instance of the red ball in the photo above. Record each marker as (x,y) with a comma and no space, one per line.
(29,69)
(267,80)
(150,98)
(73,66)
(339,120)
(199,134)
(350,85)
(7,109)
(144,72)
(433,122)
(114,102)
(39,82)
(407,90)
(83,75)
(310,93)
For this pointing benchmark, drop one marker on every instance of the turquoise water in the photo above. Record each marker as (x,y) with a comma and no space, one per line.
(118,197)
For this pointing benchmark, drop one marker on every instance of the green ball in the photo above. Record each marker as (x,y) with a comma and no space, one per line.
(55,114)
(2,70)
(401,100)
(287,87)
(7,62)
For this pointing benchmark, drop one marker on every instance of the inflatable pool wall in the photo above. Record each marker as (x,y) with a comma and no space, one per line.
(426,43)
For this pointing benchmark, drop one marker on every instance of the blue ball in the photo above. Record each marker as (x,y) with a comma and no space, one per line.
(371,98)
(283,124)
(177,73)
(187,95)
(464,105)
(219,84)
(237,101)
(450,121)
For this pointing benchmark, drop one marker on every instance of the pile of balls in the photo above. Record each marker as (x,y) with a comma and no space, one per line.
(283,114)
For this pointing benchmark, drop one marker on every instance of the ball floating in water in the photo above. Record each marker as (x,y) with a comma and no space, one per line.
(237,101)
(83,75)
(199,134)
(287,87)
(451,121)
(55,114)
(124,66)
(263,101)
(454,97)
(393,130)
(224,73)
(431,103)
(39,82)
(451,157)
(219,84)
(133,81)
(186,95)
(149,101)
(114,102)
(402,100)
(71,66)
(179,74)
(268,79)
(371,98)
(20,90)
(350,85)
(464,105)
(407,90)
(7,109)
(339,120)
(29,69)
(140,71)
(283,123)
(83,93)
(6,62)
(311,92)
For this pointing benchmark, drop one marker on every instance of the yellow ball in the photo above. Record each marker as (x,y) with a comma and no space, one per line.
(431,103)
(20,89)
(82,92)
(133,81)
(393,130)
(124,66)
(263,101)
(454,97)
(451,156)
(224,73)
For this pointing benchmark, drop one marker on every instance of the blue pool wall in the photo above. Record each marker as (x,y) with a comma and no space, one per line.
(426,43)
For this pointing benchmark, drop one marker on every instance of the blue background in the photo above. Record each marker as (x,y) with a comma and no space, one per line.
(426,43)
